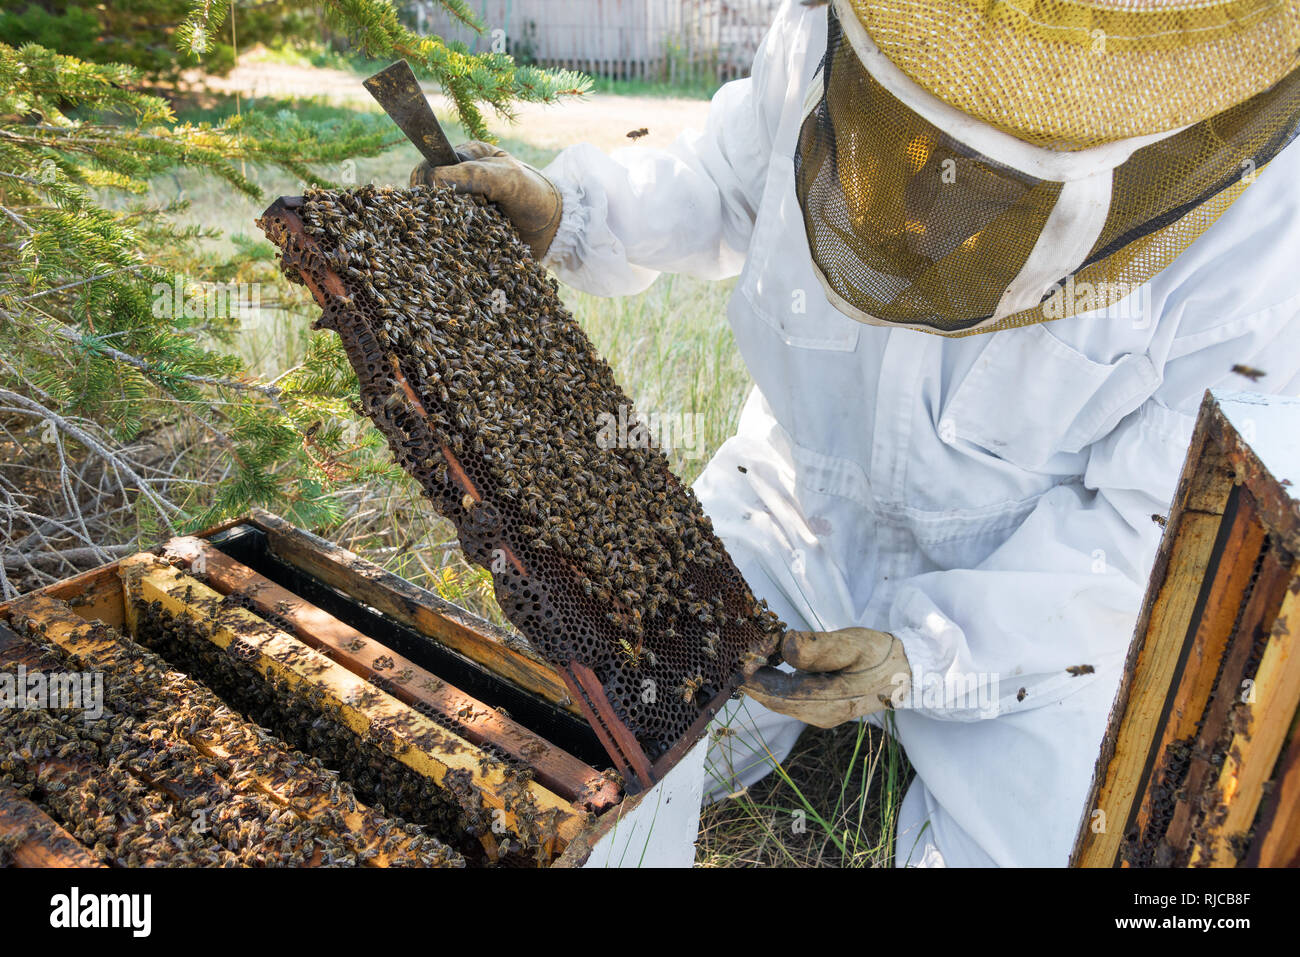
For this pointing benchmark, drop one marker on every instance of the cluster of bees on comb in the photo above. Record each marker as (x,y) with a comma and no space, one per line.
(491,395)
(454,812)
(171,776)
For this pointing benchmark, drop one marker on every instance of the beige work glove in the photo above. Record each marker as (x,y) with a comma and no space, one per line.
(842,675)
(529,199)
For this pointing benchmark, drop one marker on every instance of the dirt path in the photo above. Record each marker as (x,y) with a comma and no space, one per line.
(600,118)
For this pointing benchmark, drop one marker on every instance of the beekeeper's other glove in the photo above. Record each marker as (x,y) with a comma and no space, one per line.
(529,199)
(842,675)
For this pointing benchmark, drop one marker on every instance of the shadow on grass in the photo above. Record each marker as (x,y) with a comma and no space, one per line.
(832,803)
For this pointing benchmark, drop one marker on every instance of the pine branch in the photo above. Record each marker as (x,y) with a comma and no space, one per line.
(90,366)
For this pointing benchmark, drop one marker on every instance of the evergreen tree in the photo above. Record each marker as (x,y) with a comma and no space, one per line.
(124,415)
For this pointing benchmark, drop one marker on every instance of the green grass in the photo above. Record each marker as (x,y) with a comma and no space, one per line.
(696,89)
(673,352)
(319,56)
(216,206)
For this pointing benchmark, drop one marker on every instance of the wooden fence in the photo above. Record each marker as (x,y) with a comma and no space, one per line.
(674,41)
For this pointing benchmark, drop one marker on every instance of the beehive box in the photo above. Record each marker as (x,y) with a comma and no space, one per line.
(271,699)
(1200,765)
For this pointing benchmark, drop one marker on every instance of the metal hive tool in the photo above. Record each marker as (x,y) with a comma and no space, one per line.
(647,673)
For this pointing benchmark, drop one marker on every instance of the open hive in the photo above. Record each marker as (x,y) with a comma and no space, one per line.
(490,394)
(270,700)
(1200,766)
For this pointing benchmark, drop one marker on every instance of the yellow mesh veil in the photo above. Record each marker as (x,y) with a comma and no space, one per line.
(911,218)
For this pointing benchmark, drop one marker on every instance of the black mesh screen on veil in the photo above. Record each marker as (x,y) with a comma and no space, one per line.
(905,224)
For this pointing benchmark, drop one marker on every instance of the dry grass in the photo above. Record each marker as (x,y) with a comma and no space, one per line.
(833,802)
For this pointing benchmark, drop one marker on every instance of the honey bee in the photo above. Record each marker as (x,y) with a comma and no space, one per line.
(690,688)
(1249,372)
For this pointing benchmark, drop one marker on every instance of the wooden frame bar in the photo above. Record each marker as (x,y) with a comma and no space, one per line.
(45,842)
(74,771)
(374,715)
(1126,759)
(457,629)
(1256,746)
(1280,819)
(403,679)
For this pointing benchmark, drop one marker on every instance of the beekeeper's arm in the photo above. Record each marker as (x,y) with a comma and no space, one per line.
(608,224)
(639,211)
(1063,591)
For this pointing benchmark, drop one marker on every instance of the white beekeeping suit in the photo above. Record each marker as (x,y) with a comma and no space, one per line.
(988,499)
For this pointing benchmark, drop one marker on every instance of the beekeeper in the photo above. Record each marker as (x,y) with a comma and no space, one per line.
(990,258)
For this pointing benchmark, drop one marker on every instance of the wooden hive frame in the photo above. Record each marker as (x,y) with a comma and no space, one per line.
(229,741)
(417,718)
(42,841)
(1200,765)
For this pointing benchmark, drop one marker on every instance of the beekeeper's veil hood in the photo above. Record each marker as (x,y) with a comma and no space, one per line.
(969,165)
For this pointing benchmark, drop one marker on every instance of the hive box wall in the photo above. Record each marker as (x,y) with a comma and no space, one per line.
(1200,765)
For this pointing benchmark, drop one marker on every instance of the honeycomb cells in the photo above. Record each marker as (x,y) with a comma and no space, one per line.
(492,397)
